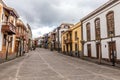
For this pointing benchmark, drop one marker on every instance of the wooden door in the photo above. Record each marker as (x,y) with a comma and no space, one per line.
(4,43)
(112,47)
(89,50)
(16,46)
(63,48)
(67,48)
(98,50)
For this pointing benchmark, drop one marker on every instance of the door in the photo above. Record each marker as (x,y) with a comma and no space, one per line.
(89,50)
(98,50)
(67,48)
(63,48)
(70,46)
(4,43)
(112,47)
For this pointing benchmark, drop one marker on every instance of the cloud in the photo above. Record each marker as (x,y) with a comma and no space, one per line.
(42,30)
(42,13)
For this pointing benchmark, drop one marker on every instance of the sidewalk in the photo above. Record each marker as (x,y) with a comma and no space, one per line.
(10,57)
(103,62)
(96,61)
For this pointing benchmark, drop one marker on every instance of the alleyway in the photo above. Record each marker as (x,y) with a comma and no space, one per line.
(45,65)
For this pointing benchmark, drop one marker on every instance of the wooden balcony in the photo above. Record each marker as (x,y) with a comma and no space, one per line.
(9,28)
(67,41)
(53,33)
(17,34)
(53,39)
(23,36)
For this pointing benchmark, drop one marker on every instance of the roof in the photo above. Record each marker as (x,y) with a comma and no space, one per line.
(13,10)
(110,2)
(29,27)
(67,24)
(73,27)
(9,8)
(76,25)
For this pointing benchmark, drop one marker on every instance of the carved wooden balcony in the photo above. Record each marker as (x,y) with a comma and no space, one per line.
(68,41)
(23,36)
(9,28)
(17,34)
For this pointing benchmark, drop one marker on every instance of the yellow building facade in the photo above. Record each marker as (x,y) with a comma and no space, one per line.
(71,40)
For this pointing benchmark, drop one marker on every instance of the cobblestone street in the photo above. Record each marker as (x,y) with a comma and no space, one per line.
(45,65)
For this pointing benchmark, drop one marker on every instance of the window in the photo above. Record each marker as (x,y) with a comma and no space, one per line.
(110,24)
(66,26)
(75,35)
(97,28)
(88,31)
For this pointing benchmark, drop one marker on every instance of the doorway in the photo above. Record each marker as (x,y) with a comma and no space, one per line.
(98,50)
(112,47)
(89,50)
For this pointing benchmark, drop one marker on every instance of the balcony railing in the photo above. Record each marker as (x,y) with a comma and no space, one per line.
(68,41)
(23,36)
(17,34)
(8,27)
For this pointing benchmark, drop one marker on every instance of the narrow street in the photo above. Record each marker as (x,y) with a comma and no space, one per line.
(45,65)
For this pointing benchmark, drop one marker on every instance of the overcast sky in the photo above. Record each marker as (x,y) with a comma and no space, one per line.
(45,15)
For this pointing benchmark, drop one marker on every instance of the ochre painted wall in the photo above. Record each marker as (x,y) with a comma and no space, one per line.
(75,28)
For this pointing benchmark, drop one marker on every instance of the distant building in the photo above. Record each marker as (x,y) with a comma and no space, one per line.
(71,40)
(21,38)
(29,37)
(63,27)
(56,36)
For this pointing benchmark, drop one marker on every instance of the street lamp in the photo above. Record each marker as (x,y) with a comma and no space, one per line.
(112,52)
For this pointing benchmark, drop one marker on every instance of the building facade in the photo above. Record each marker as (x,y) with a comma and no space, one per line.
(63,27)
(8,18)
(71,41)
(53,39)
(29,37)
(21,45)
(100,32)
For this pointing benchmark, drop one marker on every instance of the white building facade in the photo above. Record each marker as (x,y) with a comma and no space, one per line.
(101,31)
